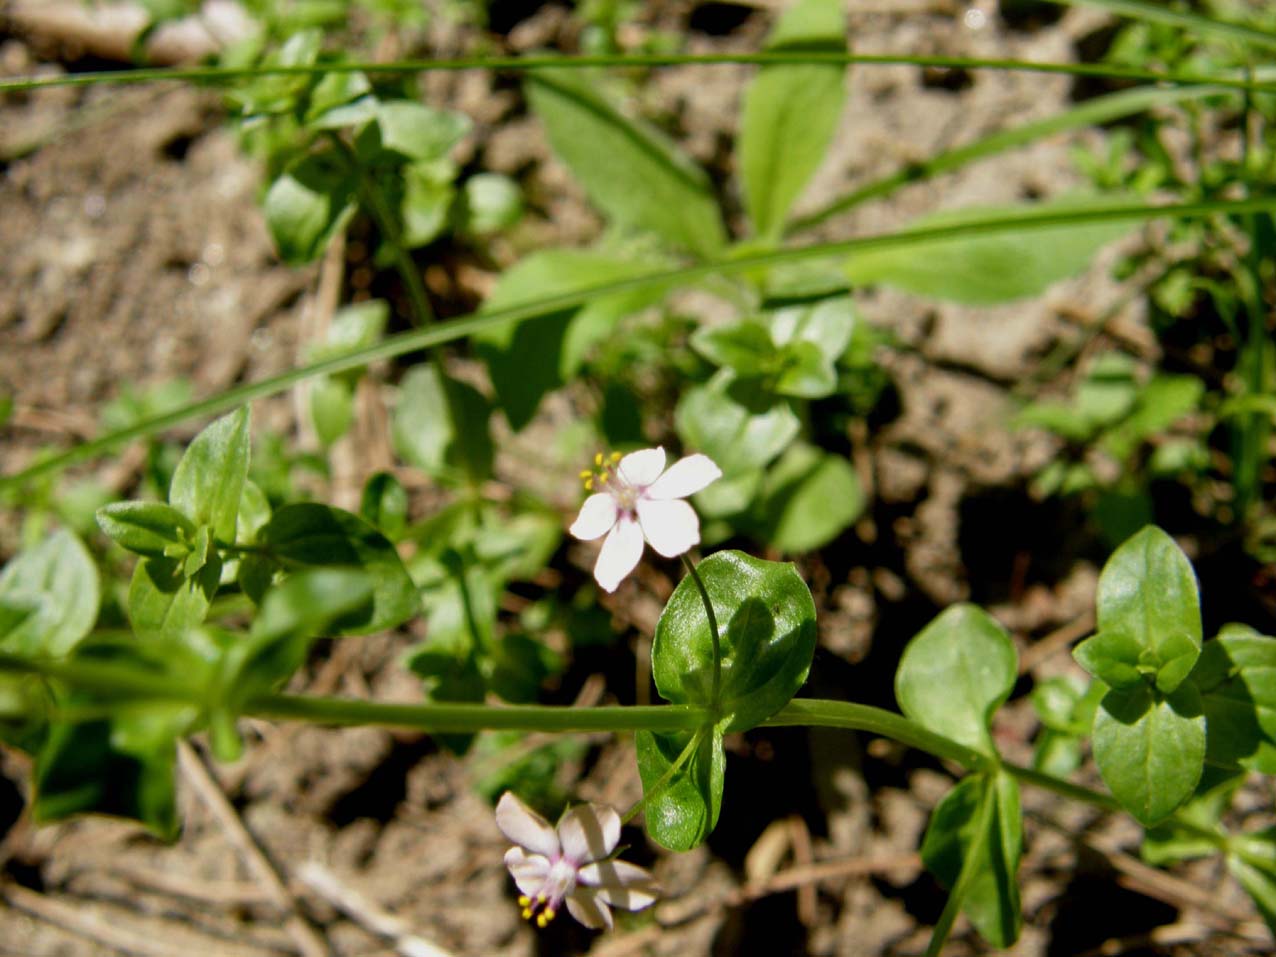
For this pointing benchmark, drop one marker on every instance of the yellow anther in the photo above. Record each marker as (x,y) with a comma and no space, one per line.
(598,459)
(602,479)
(549,914)
(543,918)
(589,484)
(524,901)
(615,456)
(585,473)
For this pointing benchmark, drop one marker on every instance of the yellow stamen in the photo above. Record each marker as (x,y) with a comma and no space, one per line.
(550,913)
(527,913)
(602,478)
(615,456)
(598,459)
(524,901)
(589,484)
(585,473)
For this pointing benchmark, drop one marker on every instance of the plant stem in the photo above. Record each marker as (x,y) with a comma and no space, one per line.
(420,339)
(476,717)
(713,629)
(521,64)
(817,713)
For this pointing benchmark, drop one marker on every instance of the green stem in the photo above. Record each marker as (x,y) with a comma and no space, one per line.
(813,712)
(1193,23)
(420,339)
(665,778)
(713,629)
(527,63)
(476,717)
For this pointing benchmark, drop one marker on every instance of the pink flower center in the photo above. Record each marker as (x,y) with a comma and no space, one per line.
(546,902)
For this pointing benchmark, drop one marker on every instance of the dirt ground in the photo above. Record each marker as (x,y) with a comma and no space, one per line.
(134,253)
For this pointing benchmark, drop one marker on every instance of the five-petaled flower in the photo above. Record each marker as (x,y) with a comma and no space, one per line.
(571,863)
(637,499)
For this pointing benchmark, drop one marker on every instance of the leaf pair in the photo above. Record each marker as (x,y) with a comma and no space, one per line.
(766,621)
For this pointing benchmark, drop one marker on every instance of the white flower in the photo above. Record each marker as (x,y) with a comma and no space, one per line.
(570,864)
(638,499)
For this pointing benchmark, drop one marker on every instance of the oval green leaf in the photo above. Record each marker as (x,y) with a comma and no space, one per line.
(766,619)
(956,673)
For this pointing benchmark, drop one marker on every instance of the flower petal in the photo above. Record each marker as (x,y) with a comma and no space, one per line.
(643,467)
(670,526)
(585,905)
(620,884)
(620,554)
(589,832)
(524,826)
(596,517)
(528,870)
(685,477)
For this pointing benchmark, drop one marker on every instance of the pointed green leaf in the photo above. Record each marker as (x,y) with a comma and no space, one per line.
(766,621)
(736,425)
(527,360)
(308,535)
(1150,749)
(984,269)
(1147,600)
(147,528)
(419,132)
(633,173)
(962,827)
(164,604)
(55,585)
(1236,674)
(807,499)
(308,205)
(790,113)
(425,434)
(682,803)
(209,480)
(955,674)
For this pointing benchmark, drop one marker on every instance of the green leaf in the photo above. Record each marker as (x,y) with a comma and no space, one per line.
(147,528)
(209,480)
(745,347)
(85,768)
(419,132)
(1172,842)
(804,372)
(317,536)
(737,427)
(164,603)
(340,99)
(1149,614)
(308,205)
(955,674)
(1150,749)
(790,113)
(385,504)
(1255,870)
(962,827)
(526,361)
(829,325)
(808,498)
(425,434)
(353,327)
(983,269)
(52,595)
(766,619)
(331,408)
(681,804)
(633,173)
(429,192)
(1113,657)
(489,202)
(1237,678)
